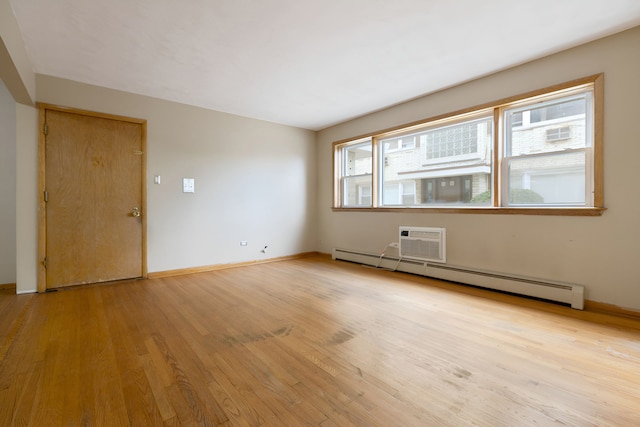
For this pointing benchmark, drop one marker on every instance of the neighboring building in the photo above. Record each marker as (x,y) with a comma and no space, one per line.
(554,142)
(449,164)
(546,149)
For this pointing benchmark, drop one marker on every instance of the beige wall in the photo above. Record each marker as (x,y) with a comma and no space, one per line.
(254,180)
(16,73)
(599,252)
(26,198)
(7,186)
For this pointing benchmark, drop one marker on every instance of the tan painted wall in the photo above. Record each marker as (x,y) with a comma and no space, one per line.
(601,253)
(254,180)
(26,198)
(16,73)
(7,186)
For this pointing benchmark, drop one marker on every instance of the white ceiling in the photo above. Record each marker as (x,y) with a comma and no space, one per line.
(305,63)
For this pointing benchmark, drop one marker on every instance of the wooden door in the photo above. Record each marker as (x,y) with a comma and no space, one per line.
(94,192)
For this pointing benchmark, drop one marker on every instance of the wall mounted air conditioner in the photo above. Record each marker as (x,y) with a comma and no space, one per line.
(423,243)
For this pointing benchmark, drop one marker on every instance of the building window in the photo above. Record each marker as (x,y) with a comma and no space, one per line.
(547,155)
(451,141)
(399,193)
(364,195)
(558,134)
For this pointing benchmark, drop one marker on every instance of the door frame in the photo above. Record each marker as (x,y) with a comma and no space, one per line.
(42,205)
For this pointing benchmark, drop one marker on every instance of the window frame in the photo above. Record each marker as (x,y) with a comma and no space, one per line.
(341,176)
(595,170)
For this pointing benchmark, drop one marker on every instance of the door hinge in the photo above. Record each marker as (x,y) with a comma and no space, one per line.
(45,129)
(46,196)
(44,262)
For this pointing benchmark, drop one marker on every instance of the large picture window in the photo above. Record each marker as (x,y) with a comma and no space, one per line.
(538,153)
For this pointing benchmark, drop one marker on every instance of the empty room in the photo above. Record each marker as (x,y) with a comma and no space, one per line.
(322,213)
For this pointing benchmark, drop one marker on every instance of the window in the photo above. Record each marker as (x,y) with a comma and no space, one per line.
(546,158)
(558,134)
(400,193)
(356,179)
(364,195)
(557,110)
(543,174)
(445,152)
(451,141)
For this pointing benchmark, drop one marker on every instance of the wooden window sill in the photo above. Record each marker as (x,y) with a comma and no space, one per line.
(486,210)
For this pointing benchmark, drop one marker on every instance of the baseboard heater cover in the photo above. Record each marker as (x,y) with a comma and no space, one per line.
(566,293)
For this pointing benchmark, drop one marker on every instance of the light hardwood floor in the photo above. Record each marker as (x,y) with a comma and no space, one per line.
(310,342)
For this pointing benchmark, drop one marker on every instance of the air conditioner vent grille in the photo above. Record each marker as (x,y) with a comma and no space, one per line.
(421,249)
(419,234)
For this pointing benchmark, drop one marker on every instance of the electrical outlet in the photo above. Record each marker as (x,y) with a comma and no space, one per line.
(243,243)
(394,245)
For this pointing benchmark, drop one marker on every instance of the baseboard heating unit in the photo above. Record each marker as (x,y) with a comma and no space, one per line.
(539,288)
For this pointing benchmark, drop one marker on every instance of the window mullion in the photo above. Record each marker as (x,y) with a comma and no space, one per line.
(375,173)
(498,147)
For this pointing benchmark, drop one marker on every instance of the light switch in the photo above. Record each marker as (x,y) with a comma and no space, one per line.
(156,179)
(188,185)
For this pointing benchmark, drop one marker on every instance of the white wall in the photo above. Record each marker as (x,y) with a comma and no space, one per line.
(7,186)
(26,199)
(16,74)
(599,252)
(254,180)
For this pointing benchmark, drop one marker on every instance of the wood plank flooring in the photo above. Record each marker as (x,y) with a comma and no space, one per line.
(310,342)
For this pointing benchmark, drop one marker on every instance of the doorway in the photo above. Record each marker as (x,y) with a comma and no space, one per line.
(453,189)
(92,181)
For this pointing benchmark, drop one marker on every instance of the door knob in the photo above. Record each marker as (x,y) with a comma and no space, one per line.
(135,212)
